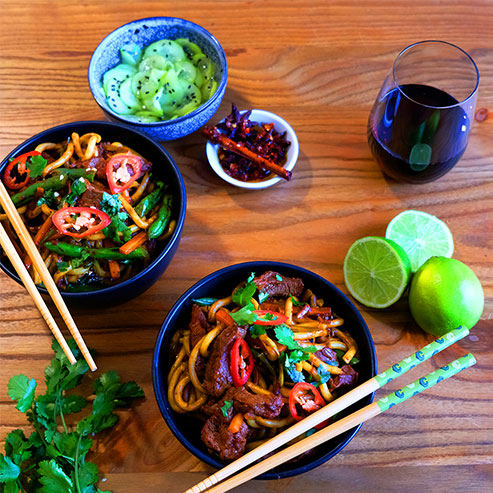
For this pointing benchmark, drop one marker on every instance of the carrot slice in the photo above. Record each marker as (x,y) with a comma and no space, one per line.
(236,422)
(114,269)
(133,243)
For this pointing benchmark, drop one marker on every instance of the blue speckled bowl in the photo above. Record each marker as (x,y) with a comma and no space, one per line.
(165,168)
(187,429)
(143,32)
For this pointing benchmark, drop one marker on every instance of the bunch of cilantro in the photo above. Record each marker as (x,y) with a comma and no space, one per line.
(53,458)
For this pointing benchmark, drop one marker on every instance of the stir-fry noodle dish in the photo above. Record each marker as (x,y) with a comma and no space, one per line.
(255,362)
(94,209)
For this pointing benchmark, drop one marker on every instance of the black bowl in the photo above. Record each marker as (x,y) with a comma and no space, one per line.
(164,167)
(220,284)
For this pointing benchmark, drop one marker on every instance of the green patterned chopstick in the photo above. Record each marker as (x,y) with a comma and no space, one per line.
(334,407)
(346,423)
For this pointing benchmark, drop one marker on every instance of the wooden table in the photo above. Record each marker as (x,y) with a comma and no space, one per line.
(319,65)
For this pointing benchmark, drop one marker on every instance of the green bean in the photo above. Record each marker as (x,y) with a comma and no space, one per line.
(150,201)
(56,182)
(74,173)
(53,183)
(77,251)
(157,227)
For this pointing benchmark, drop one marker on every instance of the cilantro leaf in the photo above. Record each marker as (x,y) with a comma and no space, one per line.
(225,407)
(340,353)
(36,165)
(63,266)
(204,301)
(21,389)
(49,198)
(295,301)
(285,336)
(278,277)
(245,315)
(53,479)
(242,296)
(324,374)
(112,206)
(17,446)
(78,187)
(257,330)
(298,355)
(290,366)
(88,475)
(8,470)
(262,297)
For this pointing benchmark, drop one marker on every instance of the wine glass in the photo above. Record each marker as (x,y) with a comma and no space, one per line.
(419,125)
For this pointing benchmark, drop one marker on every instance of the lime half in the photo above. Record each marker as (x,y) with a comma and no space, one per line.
(421,235)
(376,271)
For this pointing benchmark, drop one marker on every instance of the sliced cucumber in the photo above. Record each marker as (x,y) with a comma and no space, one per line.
(168,49)
(205,65)
(115,76)
(189,48)
(155,61)
(152,103)
(186,70)
(208,89)
(128,97)
(145,84)
(174,88)
(130,54)
(146,117)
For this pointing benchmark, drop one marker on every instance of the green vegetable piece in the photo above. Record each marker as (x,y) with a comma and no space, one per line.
(36,165)
(150,201)
(168,49)
(208,90)
(245,315)
(152,103)
(130,54)
(54,183)
(53,479)
(204,65)
(77,188)
(128,97)
(21,389)
(243,295)
(155,61)
(340,353)
(204,301)
(189,48)
(74,173)
(225,407)
(77,251)
(144,117)
(186,71)
(8,470)
(145,84)
(156,229)
(285,336)
(113,78)
(257,330)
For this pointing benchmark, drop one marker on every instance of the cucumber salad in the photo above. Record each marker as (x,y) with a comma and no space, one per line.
(163,81)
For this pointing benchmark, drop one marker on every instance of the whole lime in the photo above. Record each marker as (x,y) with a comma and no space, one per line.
(444,294)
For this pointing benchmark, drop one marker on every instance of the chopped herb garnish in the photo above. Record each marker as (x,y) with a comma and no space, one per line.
(204,301)
(50,198)
(78,187)
(243,295)
(340,353)
(256,330)
(63,266)
(285,336)
(225,408)
(111,205)
(245,315)
(262,297)
(278,277)
(36,165)
(295,301)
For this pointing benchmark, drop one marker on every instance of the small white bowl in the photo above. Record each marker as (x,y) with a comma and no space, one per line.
(281,126)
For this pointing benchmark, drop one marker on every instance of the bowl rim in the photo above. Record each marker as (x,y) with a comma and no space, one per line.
(158,380)
(175,237)
(163,123)
(264,116)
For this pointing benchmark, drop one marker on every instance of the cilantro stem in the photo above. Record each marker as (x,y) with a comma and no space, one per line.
(76,467)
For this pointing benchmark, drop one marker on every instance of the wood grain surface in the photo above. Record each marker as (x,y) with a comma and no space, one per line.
(318,64)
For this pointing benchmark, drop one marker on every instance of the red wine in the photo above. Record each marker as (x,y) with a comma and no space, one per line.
(416,134)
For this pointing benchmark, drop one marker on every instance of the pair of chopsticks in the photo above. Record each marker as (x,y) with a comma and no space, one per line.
(38,263)
(336,406)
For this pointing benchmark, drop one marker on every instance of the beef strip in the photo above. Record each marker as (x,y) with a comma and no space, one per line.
(269,283)
(216,437)
(199,326)
(92,196)
(327,355)
(217,373)
(265,406)
(346,381)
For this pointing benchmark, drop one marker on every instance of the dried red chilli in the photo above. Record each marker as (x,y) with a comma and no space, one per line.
(261,138)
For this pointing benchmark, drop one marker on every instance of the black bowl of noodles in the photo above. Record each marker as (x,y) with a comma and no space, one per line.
(187,427)
(133,275)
